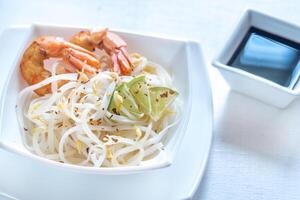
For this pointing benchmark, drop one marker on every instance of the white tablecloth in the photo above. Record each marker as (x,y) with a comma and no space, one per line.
(255,150)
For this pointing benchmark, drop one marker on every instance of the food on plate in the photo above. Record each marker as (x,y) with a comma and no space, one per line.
(45,47)
(99,108)
(113,45)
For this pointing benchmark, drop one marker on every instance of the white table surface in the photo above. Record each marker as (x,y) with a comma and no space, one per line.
(256,148)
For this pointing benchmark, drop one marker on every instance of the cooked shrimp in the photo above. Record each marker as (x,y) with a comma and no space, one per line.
(111,43)
(45,47)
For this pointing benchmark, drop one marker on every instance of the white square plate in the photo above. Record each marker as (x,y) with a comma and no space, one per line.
(183,59)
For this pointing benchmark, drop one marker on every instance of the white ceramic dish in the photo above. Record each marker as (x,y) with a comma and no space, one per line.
(250,84)
(167,56)
(178,181)
(172,54)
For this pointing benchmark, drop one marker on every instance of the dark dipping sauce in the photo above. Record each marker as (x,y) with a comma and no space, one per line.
(269,56)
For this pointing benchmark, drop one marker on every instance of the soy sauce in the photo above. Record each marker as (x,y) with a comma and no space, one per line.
(269,56)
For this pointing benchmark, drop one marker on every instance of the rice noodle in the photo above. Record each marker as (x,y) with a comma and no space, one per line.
(73,124)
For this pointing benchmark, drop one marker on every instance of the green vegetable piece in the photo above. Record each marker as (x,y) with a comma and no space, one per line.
(161,98)
(140,91)
(123,98)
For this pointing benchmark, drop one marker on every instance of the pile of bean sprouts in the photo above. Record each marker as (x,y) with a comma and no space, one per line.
(73,124)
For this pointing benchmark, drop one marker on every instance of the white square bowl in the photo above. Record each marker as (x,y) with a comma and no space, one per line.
(250,84)
(178,181)
(174,55)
